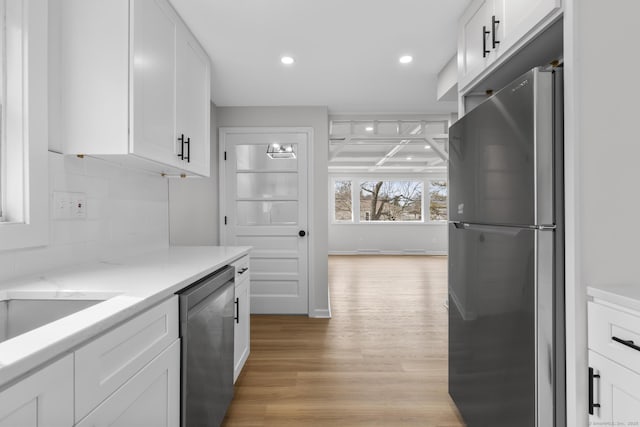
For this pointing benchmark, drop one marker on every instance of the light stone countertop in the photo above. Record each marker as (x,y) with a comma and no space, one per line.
(131,284)
(627,296)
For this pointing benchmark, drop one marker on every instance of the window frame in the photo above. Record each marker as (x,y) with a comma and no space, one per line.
(25,126)
(356,181)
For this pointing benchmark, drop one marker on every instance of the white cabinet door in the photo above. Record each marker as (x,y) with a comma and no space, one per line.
(150,398)
(44,399)
(519,17)
(474,42)
(193,106)
(241,333)
(107,362)
(153,80)
(617,391)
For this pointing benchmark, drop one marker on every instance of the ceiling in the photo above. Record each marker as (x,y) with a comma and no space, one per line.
(388,146)
(346,52)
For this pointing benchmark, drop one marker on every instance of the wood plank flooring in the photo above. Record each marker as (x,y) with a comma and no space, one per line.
(380,361)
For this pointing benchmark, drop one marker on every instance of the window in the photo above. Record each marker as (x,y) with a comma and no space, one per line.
(23,124)
(385,200)
(342,201)
(390,200)
(438,200)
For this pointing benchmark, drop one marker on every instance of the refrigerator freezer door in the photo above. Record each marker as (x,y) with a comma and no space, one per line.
(501,167)
(502,341)
(492,337)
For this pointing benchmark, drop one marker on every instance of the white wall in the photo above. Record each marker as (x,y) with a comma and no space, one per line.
(127,213)
(395,239)
(193,203)
(317,118)
(601,150)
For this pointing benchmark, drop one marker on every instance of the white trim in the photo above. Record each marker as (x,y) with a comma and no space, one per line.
(222,133)
(575,293)
(320,313)
(387,252)
(29,209)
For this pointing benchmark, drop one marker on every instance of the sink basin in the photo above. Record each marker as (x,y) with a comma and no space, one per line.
(21,315)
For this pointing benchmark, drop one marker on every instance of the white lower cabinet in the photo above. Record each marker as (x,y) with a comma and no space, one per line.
(150,398)
(614,364)
(241,332)
(106,363)
(616,390)
(44,399)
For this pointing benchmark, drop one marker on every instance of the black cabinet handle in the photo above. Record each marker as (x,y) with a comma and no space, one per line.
(484,41)
(237,317)
(242,270)
(181,141)
(591,404)
(188,156)
(628,343)
(494,22)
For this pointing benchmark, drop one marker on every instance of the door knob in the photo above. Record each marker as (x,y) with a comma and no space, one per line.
(302,233)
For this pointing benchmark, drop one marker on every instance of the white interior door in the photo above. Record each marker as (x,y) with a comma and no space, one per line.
(265,206)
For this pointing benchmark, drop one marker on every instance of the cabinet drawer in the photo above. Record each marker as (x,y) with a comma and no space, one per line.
(606,326)
(154,391)
(106,363)
(242,269)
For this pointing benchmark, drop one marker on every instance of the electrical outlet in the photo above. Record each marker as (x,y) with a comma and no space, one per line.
(79,206)
(69,205)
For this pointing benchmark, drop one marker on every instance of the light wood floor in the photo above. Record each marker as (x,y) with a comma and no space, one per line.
(380,361)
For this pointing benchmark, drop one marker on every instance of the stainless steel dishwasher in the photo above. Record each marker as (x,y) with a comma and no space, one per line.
(206,331)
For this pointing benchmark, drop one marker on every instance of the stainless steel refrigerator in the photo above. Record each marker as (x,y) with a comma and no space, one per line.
(506,258)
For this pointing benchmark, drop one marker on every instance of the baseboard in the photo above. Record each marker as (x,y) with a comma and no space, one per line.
(320,313)
(386,252)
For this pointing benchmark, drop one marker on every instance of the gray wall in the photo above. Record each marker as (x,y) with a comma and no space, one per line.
(601,172)
(193,202)
(193,207)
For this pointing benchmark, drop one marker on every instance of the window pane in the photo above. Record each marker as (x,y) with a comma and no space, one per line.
(269,185)
(438,200)
(342,194)
(391,201)
(267,213)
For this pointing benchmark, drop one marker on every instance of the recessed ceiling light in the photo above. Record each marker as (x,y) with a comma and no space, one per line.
(406,59)
(408,158)
(369,129)
(427,147)
(287,60)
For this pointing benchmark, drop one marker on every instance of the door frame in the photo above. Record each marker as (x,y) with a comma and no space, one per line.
(222,148)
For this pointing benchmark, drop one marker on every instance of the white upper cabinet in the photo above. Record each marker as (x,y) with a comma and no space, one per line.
(192,95)
(135,84)
(154,81)
(474,39)
(490,28)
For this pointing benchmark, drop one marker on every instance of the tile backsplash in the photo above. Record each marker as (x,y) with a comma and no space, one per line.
(126,214)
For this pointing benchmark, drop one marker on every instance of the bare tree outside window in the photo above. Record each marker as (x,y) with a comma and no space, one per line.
(438,200)
(391,201)
(343,210)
